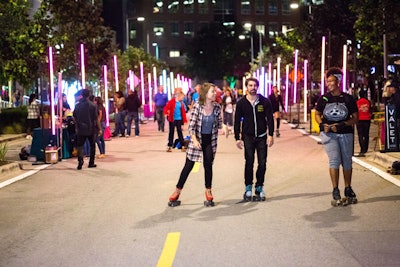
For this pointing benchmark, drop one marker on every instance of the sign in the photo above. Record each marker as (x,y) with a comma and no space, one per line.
(391,140)
(299,76)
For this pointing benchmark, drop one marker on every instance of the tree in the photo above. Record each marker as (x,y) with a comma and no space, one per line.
(216,52)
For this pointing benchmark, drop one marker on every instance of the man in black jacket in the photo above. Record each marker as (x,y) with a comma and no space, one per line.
(254,130)
(132,106)
(85,115)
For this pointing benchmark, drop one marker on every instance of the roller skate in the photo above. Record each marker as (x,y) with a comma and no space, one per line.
(259,194)
(247,193)
(350,196)
(209,198)
(173,199)
(337,200)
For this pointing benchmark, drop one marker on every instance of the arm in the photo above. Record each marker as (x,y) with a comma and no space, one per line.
(194,117)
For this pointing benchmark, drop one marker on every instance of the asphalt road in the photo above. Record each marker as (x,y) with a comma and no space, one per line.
(117,213)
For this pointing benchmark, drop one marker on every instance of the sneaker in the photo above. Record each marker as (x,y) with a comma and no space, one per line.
(127,136)
(29,137)
(101,156)
(277,133)
(337,199)
(169,149)
(350,196)
(259,193)
(247,193)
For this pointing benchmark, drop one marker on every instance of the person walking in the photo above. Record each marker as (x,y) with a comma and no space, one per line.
(175,110)
(120,113)
(205,120)
(33,118)
(336,113)
(227,105)
(85,115)
(364,121)
(277,103)
(160,100)
(102,122)
(132,106)
(254,130)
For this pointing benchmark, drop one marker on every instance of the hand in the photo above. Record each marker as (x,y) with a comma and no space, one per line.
(239,144)
(270,140)
(196,144)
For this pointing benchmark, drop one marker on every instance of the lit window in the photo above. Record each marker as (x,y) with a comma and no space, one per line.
(273,30)
(174,53)
(158,6)
(188,29)
(246,8)
(158,28)
(173,6)
(260,28)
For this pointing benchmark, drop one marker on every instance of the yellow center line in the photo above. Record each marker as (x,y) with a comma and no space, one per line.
(168,253)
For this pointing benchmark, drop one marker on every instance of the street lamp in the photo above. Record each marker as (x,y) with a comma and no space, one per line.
(127,35)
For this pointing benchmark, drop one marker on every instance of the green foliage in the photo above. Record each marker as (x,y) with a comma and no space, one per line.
(3,151)
(13,120)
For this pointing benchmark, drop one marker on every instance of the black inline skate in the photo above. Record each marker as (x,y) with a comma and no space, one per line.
(247,193)
(259,194)
(209,198)
(350,196)
(337,200)
(173,199)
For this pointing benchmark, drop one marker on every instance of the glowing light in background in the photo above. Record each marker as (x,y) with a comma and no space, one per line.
(305,89)
(287,88)
(51,68)
(83,66)
(105,73)
(323,66)
(142,81)
(116,74)
(296,52)
(344,68)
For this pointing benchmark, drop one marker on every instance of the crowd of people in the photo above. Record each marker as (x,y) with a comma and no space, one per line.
(252,119)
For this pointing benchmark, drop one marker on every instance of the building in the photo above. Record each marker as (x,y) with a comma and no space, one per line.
(164,26)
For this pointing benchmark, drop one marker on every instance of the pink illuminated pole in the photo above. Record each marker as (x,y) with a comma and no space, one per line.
(51,68)
(323,65)
(155,79)
(142,81)
(150,92)
(305,90)
(105,73)
(344,68)
(287,88)
(296,53)
(83,66)
(269,78)
(60,101)
(116,74)
(278,72)
(131,80)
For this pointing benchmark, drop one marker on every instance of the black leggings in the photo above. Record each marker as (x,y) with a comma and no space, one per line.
(208,159)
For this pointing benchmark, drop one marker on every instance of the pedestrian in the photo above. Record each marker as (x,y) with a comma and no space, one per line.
(175,110)
(160,100)
(227,106)
(205,120)
(277,107)
(254,130)
(120,114)
(85,115)
(33,118)
(336,113)
(101,119)
(16,98)
(132,107)
(364,121)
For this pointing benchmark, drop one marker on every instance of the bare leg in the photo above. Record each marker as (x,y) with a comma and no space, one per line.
(347,177)
(334,173)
